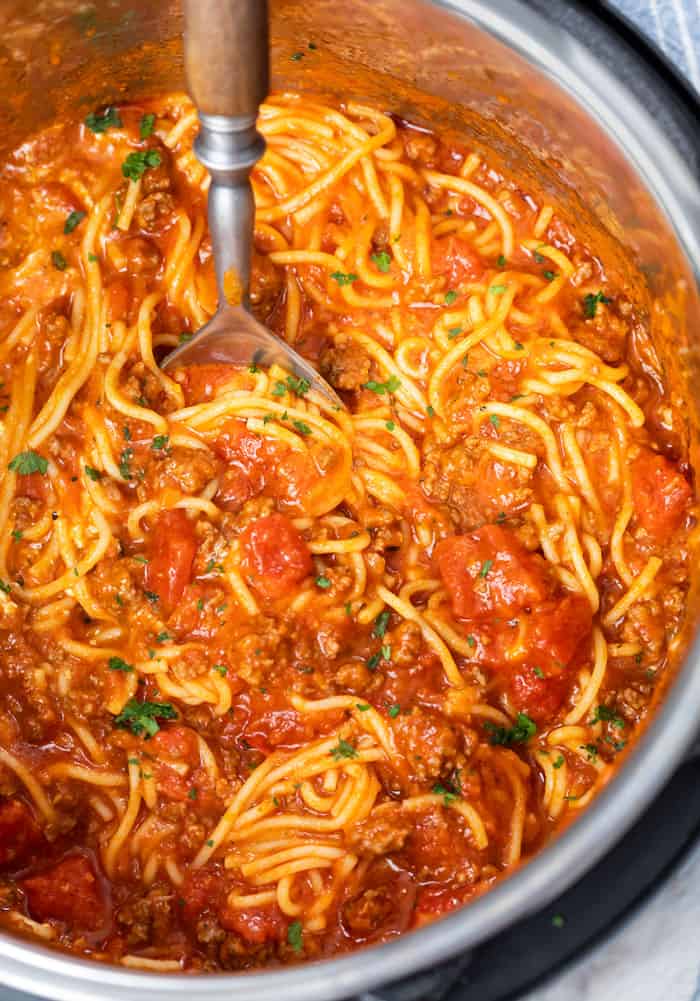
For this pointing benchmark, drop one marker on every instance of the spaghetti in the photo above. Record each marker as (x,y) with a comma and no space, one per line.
(279,678)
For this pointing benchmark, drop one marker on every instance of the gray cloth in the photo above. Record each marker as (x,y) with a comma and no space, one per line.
(675,27)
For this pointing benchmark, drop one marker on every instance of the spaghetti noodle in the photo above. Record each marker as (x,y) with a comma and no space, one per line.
(279,678)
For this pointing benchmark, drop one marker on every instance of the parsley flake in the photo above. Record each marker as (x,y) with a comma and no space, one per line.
(26,463)
(137,163)
(343,749)
(141,717)
(73,220)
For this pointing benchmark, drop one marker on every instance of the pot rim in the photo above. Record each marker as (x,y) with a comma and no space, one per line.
(28,967)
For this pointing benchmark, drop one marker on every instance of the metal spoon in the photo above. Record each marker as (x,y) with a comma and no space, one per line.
(226,59)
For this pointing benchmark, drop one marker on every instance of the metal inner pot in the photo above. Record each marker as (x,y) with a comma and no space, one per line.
(532,96)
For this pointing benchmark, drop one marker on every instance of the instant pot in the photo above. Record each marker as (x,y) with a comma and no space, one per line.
(566,97)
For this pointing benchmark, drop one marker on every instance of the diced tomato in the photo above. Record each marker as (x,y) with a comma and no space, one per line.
(202,891)
(20,835)
(661,494)
(255,924)
(456,259)
(275,555)
(172,550)
(556,629)
(68,891)
(539,692)
(202,381)
(176,742)
(32,485)
(490,572)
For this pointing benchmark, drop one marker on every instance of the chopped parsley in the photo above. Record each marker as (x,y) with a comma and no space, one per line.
(301,427)
(604,714)
(501,261)
(453,332)
(220,669)
(5,587)
(380,624)
(322,582)
(495,420)
(523,730)
(185,336)
(147,125)
(448,792)
(450,297)
(394,711)
(539,259)
(124,460)
(485,567)
(192,794)
(73,220)
(380,388)
(558,921)
(92,473)
(558,762)
(26,463)
(498,289)
(141,717)
(297,385)
(538,672)
(343,278)
(362,706)
(590,303)
(58,260)
(117,664)
(151,596)
(390,426)
(591,752)
(99,122)
(17,534)
(343,749)
(382,260)
(550,275)
(430,411)
(295,934)
(160,442)
(471,642)
(136,164)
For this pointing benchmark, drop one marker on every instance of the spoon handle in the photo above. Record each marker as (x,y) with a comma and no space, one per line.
(226,56)
(226,59)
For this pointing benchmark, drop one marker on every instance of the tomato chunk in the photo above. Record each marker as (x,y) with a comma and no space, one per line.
(275,555)
(68,891)
(539,692)
(20,835)
(173,548)
(202,891)
(255,924)
(661,494)
(176,742)
(246,457)
(556,629)
(490,572)
(456,259)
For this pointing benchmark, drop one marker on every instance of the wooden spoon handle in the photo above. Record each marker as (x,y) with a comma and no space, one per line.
(226,56)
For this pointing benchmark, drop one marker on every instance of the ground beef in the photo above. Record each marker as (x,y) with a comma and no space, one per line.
(380,835)
(345,363)
(406,642)
(188,469)
(428,744)
(148,920)
(155,212)
(644,623)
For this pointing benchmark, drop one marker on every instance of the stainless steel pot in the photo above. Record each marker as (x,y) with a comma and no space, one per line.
(570,100)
